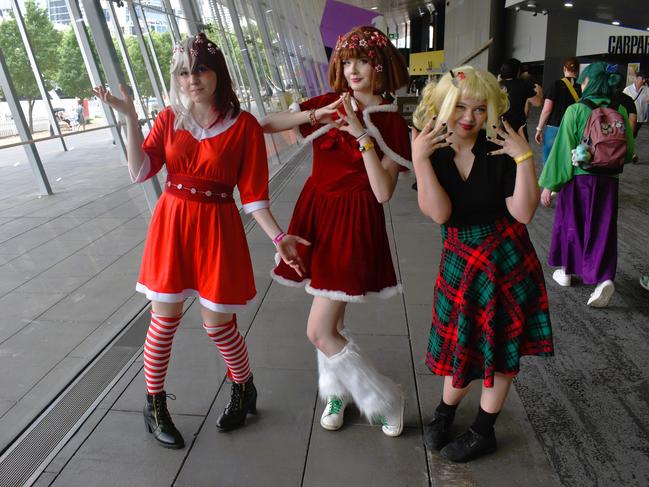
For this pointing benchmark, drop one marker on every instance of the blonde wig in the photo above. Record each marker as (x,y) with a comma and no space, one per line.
(389,73)
(188,55)
(439,99)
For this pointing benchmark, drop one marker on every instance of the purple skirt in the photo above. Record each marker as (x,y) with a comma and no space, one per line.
(584,234)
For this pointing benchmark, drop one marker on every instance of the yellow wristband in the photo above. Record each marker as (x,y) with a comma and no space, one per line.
(365,147)
(523,157)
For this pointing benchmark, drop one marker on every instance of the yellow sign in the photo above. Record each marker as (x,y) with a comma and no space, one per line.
(423,63)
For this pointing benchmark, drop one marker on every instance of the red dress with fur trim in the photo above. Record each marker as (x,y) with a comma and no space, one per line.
(349,257)
(194,247)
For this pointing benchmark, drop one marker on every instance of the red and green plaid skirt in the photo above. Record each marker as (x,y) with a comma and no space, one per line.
(490,306)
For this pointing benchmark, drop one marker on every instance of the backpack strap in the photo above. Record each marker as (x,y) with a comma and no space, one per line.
(571,88)
(589,103)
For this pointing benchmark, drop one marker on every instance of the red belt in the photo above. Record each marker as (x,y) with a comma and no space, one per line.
(198,189)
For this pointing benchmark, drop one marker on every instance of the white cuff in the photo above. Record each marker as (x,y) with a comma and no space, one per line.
(144,170)
(256,205)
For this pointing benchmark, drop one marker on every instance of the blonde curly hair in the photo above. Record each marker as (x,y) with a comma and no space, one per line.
(439,99)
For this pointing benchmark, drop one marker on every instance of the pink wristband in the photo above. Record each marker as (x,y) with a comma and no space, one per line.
(279,237)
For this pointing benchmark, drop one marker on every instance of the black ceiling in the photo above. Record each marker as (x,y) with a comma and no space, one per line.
(630,13)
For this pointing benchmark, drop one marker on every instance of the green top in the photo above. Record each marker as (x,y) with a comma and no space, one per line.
(558,169)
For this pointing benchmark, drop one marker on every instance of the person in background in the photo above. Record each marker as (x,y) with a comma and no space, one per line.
(560,95)
(584,233)
(521,94)
(639,93)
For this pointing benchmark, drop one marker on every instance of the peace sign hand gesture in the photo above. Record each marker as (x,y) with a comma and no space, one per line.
(123,105)
(430,139)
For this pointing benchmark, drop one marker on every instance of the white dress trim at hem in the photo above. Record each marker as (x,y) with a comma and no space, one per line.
(189,293)
(384,293)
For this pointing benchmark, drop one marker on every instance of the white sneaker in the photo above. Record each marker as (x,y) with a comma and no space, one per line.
(602,294)
(393,424)
(332,416)
(644,281)
(561,278)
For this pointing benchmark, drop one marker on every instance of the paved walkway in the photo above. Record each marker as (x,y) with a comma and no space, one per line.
(580,418)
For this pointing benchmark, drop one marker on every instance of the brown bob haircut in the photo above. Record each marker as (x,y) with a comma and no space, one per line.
(390,72)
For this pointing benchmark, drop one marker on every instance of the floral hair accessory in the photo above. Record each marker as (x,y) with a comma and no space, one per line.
(378,68)
(461,76)
(178,48)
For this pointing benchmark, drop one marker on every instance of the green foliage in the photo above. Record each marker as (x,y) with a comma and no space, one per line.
(45,40)
(72,77)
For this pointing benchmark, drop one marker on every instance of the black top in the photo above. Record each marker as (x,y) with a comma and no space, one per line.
(562,99)
(626,101)
(518,91)
(481,198)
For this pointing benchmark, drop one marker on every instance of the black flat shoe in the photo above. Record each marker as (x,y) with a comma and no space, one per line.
(469,446)
(436,432)
(243,400)
(157,421)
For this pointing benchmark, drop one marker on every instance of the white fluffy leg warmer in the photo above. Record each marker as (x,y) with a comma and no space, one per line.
(374,394)
(328,383)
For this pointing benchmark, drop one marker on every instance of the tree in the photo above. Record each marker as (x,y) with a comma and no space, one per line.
(45,40)
(72,77)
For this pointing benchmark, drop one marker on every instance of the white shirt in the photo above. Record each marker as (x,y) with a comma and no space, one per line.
(641,99)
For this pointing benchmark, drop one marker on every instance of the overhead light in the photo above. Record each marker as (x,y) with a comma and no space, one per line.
(517,8)
(568,4)
(647,28)
(616,22)
(531,4)
(269,10)
(544,12)
(374,8)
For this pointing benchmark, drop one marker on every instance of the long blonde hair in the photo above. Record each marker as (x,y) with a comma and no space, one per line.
(439,99)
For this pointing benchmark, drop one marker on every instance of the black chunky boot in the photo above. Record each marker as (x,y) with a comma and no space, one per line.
(157,421)
(243,400)
(437,431)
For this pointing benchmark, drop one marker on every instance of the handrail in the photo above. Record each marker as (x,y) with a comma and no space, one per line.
(52,137)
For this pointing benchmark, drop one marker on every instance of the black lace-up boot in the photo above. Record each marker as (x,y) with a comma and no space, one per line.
(157,421)
(243,400)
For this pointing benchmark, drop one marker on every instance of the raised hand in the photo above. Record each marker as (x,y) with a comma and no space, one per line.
(325,114)
(513,143)
(123,105)
(349,122)
(287,249)
(427,141)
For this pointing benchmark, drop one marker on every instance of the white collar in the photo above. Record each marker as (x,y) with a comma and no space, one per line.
(200,133)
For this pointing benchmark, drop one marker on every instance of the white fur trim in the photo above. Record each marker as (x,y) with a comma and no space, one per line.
(294,107)
(189,293)
(256,205)
(374,132)
(384,293)
(317,133)
(287,282)
(144,170)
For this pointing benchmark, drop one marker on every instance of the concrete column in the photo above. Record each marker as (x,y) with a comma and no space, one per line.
(560,43)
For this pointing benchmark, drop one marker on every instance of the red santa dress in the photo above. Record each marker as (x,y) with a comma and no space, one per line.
(196,245)
(349,256)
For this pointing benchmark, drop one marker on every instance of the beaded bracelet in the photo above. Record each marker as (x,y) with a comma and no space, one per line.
(524,156)
(312,118)
(278,238)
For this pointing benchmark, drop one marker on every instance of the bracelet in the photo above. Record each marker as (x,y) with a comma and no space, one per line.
(365,147)
(539,129)
(312,118)
(358,139)
(524,156)
(278,238)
